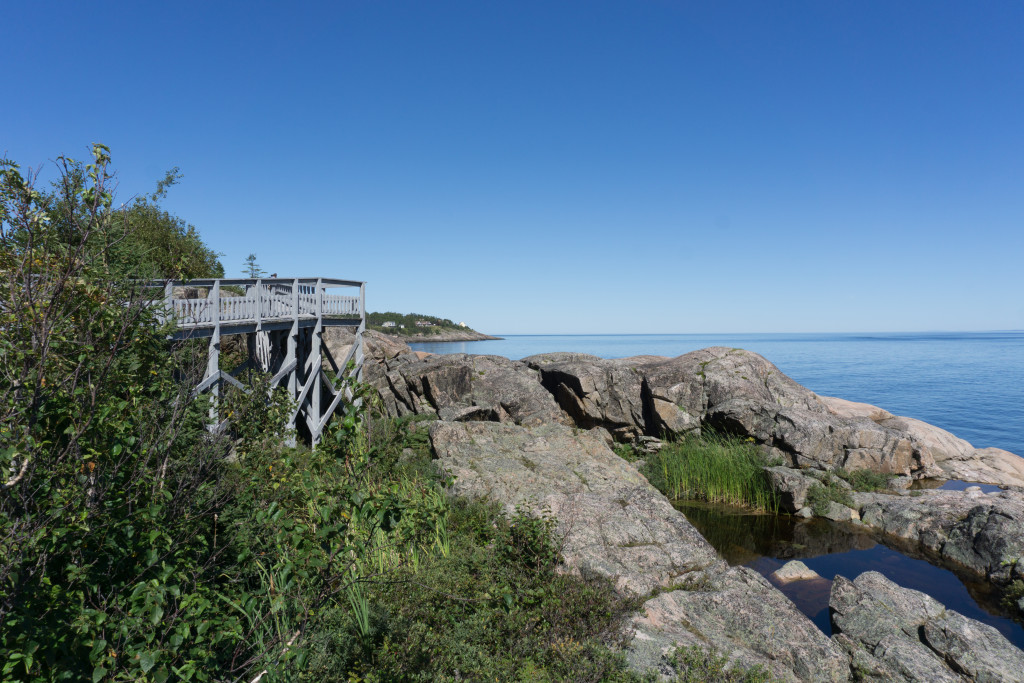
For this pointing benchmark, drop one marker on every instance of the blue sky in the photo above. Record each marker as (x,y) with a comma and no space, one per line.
(566,167)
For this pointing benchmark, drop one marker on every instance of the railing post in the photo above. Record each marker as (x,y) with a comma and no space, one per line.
(168,313)
(317,366)
(258,315)
(213,357)
(360,352)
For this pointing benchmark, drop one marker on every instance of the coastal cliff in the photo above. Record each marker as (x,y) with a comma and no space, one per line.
(539,434)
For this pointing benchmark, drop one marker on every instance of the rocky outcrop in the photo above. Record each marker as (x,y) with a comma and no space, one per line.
(377,347)
(985,466)
(461,386)
(982,532)
(743,616)
(535,435)
(722,389)
(596,392)
(898,634)
(614,524)
(954,458)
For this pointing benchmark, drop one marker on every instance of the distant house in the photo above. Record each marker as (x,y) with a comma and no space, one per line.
(388,323)
(463,325)
(424,323)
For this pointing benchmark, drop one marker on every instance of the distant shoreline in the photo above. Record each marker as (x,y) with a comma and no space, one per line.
(421,338)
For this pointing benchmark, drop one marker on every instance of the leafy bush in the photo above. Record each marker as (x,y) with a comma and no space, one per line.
(112,486)
(712,468)
(495,607)
(130,548)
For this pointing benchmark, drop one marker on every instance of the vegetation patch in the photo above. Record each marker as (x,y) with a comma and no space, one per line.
(828,491)
(411,324)
(627,452)
(697,665)
(1013,596)
(715,469)
(865,480)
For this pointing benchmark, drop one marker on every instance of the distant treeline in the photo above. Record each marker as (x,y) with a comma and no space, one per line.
(409,320)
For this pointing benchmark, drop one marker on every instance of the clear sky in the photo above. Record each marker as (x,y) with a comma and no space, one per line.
(566,167)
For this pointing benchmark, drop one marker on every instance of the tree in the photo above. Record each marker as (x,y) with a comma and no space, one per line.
(251,268)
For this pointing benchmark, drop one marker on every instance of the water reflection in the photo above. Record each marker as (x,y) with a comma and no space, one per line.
(766,542)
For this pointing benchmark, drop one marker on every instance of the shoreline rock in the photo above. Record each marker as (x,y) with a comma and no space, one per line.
(895,633)
(726,390)
(538,433)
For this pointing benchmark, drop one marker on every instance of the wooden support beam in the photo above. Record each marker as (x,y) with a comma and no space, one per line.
(285,321)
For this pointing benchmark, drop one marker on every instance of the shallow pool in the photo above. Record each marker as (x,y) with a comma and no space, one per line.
(766,542)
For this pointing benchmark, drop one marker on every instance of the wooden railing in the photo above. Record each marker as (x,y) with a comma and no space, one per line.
(209,303)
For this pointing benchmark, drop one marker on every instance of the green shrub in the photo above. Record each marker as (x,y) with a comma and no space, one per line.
(828,491)
(865,480)
(627,452)
(494,608)
(712,468)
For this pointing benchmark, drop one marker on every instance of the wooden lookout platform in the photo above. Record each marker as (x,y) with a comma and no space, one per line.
(284,320)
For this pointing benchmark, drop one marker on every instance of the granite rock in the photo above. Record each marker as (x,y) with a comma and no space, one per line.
(902,634)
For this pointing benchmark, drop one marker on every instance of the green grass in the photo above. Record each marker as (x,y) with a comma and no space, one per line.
(715,469)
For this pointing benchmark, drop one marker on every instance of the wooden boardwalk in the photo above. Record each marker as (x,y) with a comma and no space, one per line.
(284,320)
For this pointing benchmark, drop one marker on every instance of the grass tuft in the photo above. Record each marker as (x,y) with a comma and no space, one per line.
(715,469)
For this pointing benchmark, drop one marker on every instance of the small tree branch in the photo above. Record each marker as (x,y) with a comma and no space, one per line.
(21,473)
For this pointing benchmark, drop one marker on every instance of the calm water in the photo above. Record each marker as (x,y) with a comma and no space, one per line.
(766,542)
(971,384)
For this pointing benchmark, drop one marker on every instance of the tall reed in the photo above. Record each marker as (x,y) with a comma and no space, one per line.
(713,468)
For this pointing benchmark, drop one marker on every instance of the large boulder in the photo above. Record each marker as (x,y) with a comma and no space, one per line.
(898,634)
(377,347)
(739,614)
(614,524)
(596,392)
(498,388)
(736,391)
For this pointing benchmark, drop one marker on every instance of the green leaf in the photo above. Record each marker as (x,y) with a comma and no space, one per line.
(146,661)
(98,673)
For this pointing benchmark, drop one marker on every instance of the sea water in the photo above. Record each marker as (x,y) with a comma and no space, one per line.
(968,383)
